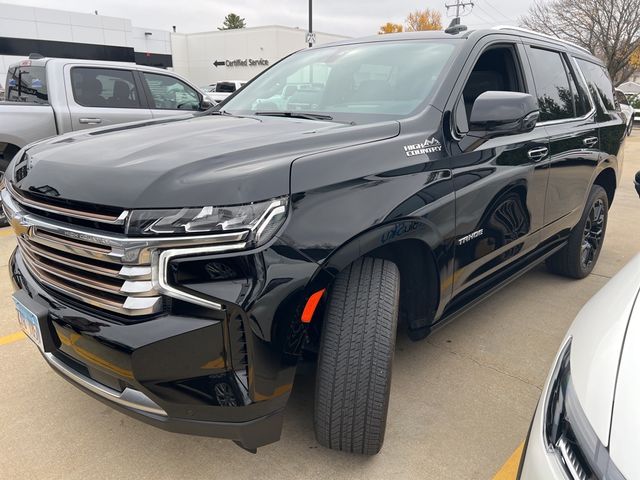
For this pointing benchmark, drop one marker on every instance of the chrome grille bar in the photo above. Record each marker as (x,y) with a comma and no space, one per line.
(80,214)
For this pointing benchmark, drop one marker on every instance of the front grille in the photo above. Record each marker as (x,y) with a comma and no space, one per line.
(89,273)
(76,253)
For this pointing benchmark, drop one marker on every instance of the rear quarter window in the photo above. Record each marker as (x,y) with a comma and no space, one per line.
(27,84)
(600,87)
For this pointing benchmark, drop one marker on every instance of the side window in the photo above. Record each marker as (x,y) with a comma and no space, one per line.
(497,69)
(555,97)
(169,93)
(104,88)
(581,101)
(621,98)
(600,87)
(27,84)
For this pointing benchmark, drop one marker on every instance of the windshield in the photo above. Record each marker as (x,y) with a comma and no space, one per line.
(349,82)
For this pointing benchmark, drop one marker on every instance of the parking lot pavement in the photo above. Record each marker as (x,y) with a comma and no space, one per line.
(461,400)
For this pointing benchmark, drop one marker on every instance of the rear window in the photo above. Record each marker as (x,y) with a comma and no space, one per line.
(27,84)
(104,88)
(225,87)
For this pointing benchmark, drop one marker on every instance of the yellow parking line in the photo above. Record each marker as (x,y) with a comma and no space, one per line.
(14,337)
(6,232)
(510,468)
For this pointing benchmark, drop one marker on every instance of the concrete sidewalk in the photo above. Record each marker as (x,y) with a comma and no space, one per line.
(461,401)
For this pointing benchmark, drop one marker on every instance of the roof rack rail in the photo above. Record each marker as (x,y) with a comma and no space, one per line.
(550,37)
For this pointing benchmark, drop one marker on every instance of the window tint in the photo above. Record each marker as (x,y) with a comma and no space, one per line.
(169,93)
(27,84)
(555,98)
(102,87)
(599,86)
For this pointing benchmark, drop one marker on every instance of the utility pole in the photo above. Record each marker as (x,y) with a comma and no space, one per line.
(458,4)
(455,26)
(310,36)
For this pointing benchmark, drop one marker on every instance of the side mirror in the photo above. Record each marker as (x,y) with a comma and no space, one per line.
(206,104)
(503,113)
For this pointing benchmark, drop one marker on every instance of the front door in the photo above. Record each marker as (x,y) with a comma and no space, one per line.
(500,184)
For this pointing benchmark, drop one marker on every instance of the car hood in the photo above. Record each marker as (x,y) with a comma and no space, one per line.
(189,161)
(598,335)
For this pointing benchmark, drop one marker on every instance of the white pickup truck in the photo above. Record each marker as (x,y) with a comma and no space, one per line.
(50,96)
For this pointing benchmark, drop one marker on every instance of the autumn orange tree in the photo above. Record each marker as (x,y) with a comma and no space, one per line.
(419,20)
(390,27)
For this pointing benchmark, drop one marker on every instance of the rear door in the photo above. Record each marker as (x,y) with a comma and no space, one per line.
(612,126)
(168,95)
(569,119)
(99,96)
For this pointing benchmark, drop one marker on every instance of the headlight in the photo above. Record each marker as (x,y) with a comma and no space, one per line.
(569,433)
(262,220)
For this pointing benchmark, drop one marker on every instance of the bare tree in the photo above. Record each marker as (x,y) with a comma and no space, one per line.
(610,29)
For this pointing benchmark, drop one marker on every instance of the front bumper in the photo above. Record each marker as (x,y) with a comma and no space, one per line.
(172,371)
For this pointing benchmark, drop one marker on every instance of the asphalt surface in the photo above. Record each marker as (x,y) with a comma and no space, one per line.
(461,401)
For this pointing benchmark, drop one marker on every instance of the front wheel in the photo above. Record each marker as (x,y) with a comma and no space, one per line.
(356,353)
(578,258)
(3,218)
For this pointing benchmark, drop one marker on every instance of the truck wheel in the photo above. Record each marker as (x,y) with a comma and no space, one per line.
(3,218)
(356,353)
(579,256)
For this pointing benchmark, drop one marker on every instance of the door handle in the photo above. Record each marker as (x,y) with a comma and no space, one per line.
(90,121)
(590,141)
(537,154)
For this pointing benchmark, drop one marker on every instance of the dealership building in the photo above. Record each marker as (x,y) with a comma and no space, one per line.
(203,58)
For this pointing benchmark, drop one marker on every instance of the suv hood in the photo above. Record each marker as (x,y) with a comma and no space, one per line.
(186,162)
(598,338)
(625,424)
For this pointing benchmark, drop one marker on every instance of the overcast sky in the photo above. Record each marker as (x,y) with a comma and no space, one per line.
(346,17)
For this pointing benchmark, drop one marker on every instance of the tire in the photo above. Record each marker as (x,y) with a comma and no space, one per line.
(356,353)
(579,256)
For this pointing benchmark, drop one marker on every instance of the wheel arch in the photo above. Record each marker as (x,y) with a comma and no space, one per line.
(607,179)
(410,244)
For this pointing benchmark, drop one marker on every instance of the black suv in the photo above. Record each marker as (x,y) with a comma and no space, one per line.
(178,269)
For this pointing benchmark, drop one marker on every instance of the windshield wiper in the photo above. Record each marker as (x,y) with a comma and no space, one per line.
(306,116)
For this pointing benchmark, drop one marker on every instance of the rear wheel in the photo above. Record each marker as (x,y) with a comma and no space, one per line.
(356,353)
(578,258)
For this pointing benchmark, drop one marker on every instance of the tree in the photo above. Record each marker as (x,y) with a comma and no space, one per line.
(232,22)
(390,27)
(610,29)
(426,19)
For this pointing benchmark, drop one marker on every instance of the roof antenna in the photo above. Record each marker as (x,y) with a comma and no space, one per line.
(455,26)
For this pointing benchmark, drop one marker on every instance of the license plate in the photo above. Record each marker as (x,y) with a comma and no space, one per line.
(29,323)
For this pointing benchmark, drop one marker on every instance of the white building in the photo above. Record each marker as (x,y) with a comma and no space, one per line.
(236,54)
(59,33)
(202,57)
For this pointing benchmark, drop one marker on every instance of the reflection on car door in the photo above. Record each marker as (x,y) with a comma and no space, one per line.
(568,117)
(100,96)
(500,184)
